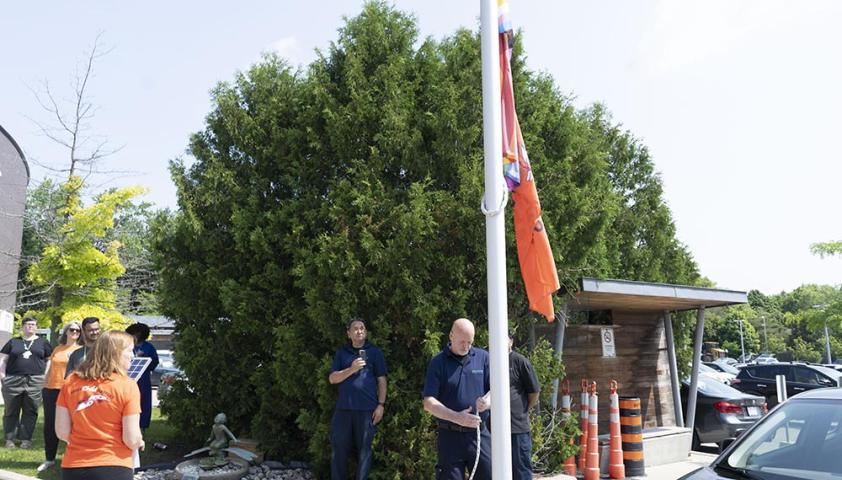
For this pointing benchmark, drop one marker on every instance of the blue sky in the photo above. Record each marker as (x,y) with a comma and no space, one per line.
(737,100)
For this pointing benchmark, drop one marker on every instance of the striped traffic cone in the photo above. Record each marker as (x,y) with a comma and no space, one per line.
(631,428)
(570,462)
(616,468)
(592,469)
(583,422)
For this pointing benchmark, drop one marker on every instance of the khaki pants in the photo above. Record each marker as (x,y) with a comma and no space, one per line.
(22,396)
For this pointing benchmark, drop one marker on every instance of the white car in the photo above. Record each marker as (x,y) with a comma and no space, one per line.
(715,375)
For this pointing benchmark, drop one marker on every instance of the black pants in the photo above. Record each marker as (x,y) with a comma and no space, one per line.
(50,396)
(457,453)
(521,456)
(97,473)
(351,428)
(22,396)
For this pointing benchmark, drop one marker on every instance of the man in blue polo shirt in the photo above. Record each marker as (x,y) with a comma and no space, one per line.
(360,370)
(458,382)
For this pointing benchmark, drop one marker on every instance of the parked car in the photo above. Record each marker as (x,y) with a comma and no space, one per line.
(166,365)
(716,375)
(721,411)
(760,379)
(723,367)
(800,439)
(764,359)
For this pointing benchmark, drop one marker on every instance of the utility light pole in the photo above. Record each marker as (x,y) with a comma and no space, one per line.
(742,343)
(765,337)
(826,333)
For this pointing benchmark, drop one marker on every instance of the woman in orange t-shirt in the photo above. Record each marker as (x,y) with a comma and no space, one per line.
(98,413)
(68,343)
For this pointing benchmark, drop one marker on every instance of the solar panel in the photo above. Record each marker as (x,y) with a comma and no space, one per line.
(138,366)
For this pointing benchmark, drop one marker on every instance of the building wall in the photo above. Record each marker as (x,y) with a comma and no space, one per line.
(641,366)
(14,177)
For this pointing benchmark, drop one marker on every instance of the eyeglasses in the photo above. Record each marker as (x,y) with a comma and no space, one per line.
(74,330)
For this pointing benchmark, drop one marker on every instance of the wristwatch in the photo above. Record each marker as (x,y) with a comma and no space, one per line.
(382,404)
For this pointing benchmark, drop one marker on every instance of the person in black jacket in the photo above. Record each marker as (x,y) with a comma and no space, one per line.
(23,362)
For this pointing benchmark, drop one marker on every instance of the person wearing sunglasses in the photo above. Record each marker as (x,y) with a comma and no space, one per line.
(69,342)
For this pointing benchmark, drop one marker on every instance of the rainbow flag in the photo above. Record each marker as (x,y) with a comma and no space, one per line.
(535,256)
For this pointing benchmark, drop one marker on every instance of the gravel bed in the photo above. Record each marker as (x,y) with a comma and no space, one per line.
(262,472)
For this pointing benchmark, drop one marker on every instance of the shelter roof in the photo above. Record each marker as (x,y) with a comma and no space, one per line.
(627,295)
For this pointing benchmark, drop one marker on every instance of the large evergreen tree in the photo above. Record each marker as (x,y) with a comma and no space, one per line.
(353,188)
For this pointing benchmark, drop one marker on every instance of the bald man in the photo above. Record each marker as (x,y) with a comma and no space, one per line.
(456,392)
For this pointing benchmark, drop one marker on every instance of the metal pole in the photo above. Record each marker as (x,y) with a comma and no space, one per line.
(827,342)
(495,235)
(742,343)
(765,337)
(676,388)
(690,421)
(560,327)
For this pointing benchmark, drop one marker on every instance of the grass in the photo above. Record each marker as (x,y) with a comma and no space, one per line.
(25,462)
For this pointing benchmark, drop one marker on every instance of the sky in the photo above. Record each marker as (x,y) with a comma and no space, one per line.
(738,101)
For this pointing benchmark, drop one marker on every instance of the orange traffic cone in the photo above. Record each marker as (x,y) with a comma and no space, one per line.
(583,421)
(592,469)
(616,468)
(570,462)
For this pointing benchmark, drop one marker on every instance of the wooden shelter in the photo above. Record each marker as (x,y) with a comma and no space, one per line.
(637,316)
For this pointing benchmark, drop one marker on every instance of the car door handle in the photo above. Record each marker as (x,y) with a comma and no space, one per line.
(761,385)
(800,389)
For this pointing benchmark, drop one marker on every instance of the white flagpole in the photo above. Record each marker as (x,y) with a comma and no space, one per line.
(495,238)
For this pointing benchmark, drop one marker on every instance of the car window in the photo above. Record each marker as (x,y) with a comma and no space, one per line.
(770,371)
(806,375)
(801,439)
(718,389)
(727,368)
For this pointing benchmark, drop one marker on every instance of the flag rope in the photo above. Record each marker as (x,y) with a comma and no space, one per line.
(503,202)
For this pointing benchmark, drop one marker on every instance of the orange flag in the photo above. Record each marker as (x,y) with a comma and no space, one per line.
(533,246)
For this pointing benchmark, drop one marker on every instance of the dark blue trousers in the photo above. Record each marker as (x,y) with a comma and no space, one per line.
(521,456)
(348,429)
(457,452)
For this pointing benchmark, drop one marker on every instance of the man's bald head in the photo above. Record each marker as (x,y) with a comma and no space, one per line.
(461,336)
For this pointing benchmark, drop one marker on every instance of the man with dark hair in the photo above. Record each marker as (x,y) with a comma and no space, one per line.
(90,332)
(524,391)
(360,370)
(23,362)
(457,392)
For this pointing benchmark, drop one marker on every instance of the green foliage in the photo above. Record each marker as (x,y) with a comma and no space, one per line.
(352,188)
(722,325)
(826,249)
(803,351)
(552,432)
(79,268)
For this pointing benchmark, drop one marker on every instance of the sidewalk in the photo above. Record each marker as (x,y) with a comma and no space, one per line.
(6,475)
(670,471)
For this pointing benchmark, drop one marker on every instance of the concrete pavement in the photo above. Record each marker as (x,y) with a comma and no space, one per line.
(670,471)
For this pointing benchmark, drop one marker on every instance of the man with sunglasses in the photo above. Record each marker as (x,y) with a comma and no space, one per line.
(90,332)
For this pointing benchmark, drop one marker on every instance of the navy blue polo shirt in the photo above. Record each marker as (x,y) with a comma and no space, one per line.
(359,391)
(458,382)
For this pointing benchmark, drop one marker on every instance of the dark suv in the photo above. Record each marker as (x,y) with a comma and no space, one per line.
(760,379)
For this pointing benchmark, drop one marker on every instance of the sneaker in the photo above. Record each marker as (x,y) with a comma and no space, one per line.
(10,444)
(47,464)
(25,444)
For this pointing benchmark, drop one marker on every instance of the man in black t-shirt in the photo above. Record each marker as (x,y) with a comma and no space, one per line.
(524,391)
(23,361)
(90,332)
